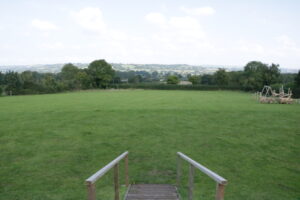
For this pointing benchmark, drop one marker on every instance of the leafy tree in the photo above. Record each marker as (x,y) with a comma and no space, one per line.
(254,74)
(28,80)
(69,76)
(297,79)
(69,72)
(50,83)
(287,78)
(13,82)
(221,77)
(258,74)
(83,79)
(1,83)
(207,79)
(101,73)
(271,75)
(172,80)
(1,78)
(236,78)
(195,79)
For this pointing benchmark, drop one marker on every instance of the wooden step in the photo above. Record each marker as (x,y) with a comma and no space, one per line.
(152,191)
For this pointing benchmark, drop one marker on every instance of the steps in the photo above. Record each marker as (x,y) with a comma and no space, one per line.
(152,192)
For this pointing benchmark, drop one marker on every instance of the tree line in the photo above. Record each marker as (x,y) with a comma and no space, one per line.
(100,74)
(254,76)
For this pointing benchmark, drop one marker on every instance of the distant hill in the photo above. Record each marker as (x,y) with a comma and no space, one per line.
(163,68)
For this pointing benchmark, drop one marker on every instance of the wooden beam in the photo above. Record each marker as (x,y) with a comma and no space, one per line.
(191,181)
(102,171)
(126,171)
(91,189)
(220,192)
(205,170)
(116,181)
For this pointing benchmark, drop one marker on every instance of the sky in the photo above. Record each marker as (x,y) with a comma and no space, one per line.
(231,32)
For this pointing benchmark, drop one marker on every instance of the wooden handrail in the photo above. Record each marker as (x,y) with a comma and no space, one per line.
(113,164)
(221,182)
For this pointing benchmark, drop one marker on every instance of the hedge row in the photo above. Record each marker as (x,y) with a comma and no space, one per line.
(161,86)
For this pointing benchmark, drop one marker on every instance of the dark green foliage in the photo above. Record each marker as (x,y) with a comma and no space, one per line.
(296,88)
(31,82)
(83,79)
(162,86)
(173,79)
(1,83)
(297,79)
(207,79)
(221,77)
(69,77)
(296,92)
(258,74)
(69,71)
(236,78)
(272,74)
(195,79)
(287,78)
(101,73)
(13,83)
(2,78)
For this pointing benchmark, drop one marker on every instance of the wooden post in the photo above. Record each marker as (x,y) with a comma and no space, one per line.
(126,171)
(191,181)
(220,191)
(91,188)
(178,170)
(116,181)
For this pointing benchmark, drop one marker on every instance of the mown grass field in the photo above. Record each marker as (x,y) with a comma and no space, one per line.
(49,144)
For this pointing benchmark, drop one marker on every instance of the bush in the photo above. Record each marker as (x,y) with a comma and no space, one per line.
(173,80)
(296,92)
(1,91)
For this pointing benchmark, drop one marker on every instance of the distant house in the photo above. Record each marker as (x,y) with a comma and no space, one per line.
(185,83)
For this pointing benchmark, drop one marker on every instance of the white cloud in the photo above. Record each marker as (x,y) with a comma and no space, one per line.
(285,41)
(175,39)
(90,19)
(43,25)
(55,45)
(286,46)
(206,11)
(251,47)
(176,29)
(156,18)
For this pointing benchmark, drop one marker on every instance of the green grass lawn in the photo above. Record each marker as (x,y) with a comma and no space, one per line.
(49,144)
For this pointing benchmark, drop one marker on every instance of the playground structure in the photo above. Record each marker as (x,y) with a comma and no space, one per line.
(267,95)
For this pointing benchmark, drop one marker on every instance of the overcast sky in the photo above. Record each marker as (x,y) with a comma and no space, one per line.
(150,31)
